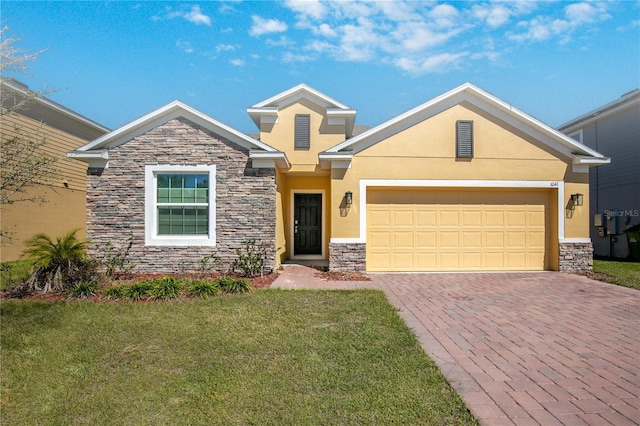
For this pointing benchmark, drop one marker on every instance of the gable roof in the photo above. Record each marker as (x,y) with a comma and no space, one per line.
(96,152)
(577,152)
(626,101)
(43,109)
(266,112)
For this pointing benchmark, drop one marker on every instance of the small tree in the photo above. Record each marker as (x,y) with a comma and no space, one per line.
(25,164)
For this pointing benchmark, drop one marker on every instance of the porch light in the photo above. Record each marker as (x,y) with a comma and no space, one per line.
(577,199)
(348,198)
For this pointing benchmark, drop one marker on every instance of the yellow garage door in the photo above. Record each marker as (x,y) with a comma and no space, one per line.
(456,230)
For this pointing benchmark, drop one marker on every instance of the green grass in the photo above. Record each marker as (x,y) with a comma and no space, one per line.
(626,274)
(14,273)
(269,357)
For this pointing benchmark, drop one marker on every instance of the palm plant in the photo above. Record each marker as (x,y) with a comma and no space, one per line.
(55,262)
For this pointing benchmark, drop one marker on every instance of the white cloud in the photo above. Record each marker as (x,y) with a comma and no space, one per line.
(292,57)
(237,62)
(309,8)
(542,28)
(437,63)
(581,13)
(266,26)
(185,46)
(444,15)
(196,16)
(225,48)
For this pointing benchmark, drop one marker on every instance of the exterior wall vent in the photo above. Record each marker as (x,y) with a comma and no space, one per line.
(464,139)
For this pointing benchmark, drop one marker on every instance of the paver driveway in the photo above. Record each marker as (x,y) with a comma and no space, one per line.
(521,348)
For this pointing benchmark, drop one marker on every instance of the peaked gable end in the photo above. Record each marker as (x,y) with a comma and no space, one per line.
(96,153)
(468,94)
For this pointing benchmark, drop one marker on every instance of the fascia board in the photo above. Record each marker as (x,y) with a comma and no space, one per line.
(524,122)
(399,123)
(481,99)
(301,91)
(279,158)
(164,114)
(89,155)
(591,161)
(626,102)
(17,86)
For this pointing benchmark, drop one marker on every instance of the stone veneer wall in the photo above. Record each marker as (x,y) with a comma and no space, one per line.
(348,257)
(245,197)
(576,257)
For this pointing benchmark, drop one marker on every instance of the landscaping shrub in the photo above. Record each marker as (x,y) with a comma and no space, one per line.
(115,291)
(251,258)
(233,285)
(203,289)
(83,289)
(116,262)
(138,291)
(165,288)
(58,264)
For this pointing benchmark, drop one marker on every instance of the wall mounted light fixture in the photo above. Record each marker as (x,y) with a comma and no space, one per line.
(348,198)
(577,199)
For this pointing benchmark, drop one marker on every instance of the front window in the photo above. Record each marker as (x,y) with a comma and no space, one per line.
(180,205)
(183,204)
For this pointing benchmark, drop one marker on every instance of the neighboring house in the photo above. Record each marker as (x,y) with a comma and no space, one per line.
(613,129)
(464,182)
(65,198)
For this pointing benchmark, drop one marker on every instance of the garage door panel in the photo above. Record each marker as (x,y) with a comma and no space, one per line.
(516,218)
(494,239)
(403,261)
(379,239)
(426,239)
(471,260)
(493,218)
(421,230)
(403,218)
(472,218)
(426,217)
(472,239)
(379,218)
(449,218)
(494,260)
(402,240)
(449,239)
(516,239)
(426,261)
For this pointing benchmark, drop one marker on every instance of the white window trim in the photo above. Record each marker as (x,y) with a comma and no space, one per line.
(578,133)
(558,186)
(151,237)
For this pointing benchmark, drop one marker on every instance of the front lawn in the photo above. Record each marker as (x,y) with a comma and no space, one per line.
(622,273)
(270,357)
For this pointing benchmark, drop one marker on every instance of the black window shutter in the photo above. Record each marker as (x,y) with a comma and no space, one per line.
(464,139)
(302,131)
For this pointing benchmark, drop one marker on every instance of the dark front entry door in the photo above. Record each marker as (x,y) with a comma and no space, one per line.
(307,224)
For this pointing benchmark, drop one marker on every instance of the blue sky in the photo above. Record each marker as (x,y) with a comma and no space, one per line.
(116,61)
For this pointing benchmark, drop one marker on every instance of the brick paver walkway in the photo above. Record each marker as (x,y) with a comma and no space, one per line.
(520,348)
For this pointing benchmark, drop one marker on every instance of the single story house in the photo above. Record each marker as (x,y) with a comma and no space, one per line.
(463,182)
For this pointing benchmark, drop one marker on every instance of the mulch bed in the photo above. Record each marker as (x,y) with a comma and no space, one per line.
(256,283)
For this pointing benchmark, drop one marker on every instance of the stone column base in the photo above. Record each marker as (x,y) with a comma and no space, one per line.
(575,257)
(348,257)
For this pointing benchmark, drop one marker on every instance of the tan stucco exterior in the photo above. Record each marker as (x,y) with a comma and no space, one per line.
(506,158)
